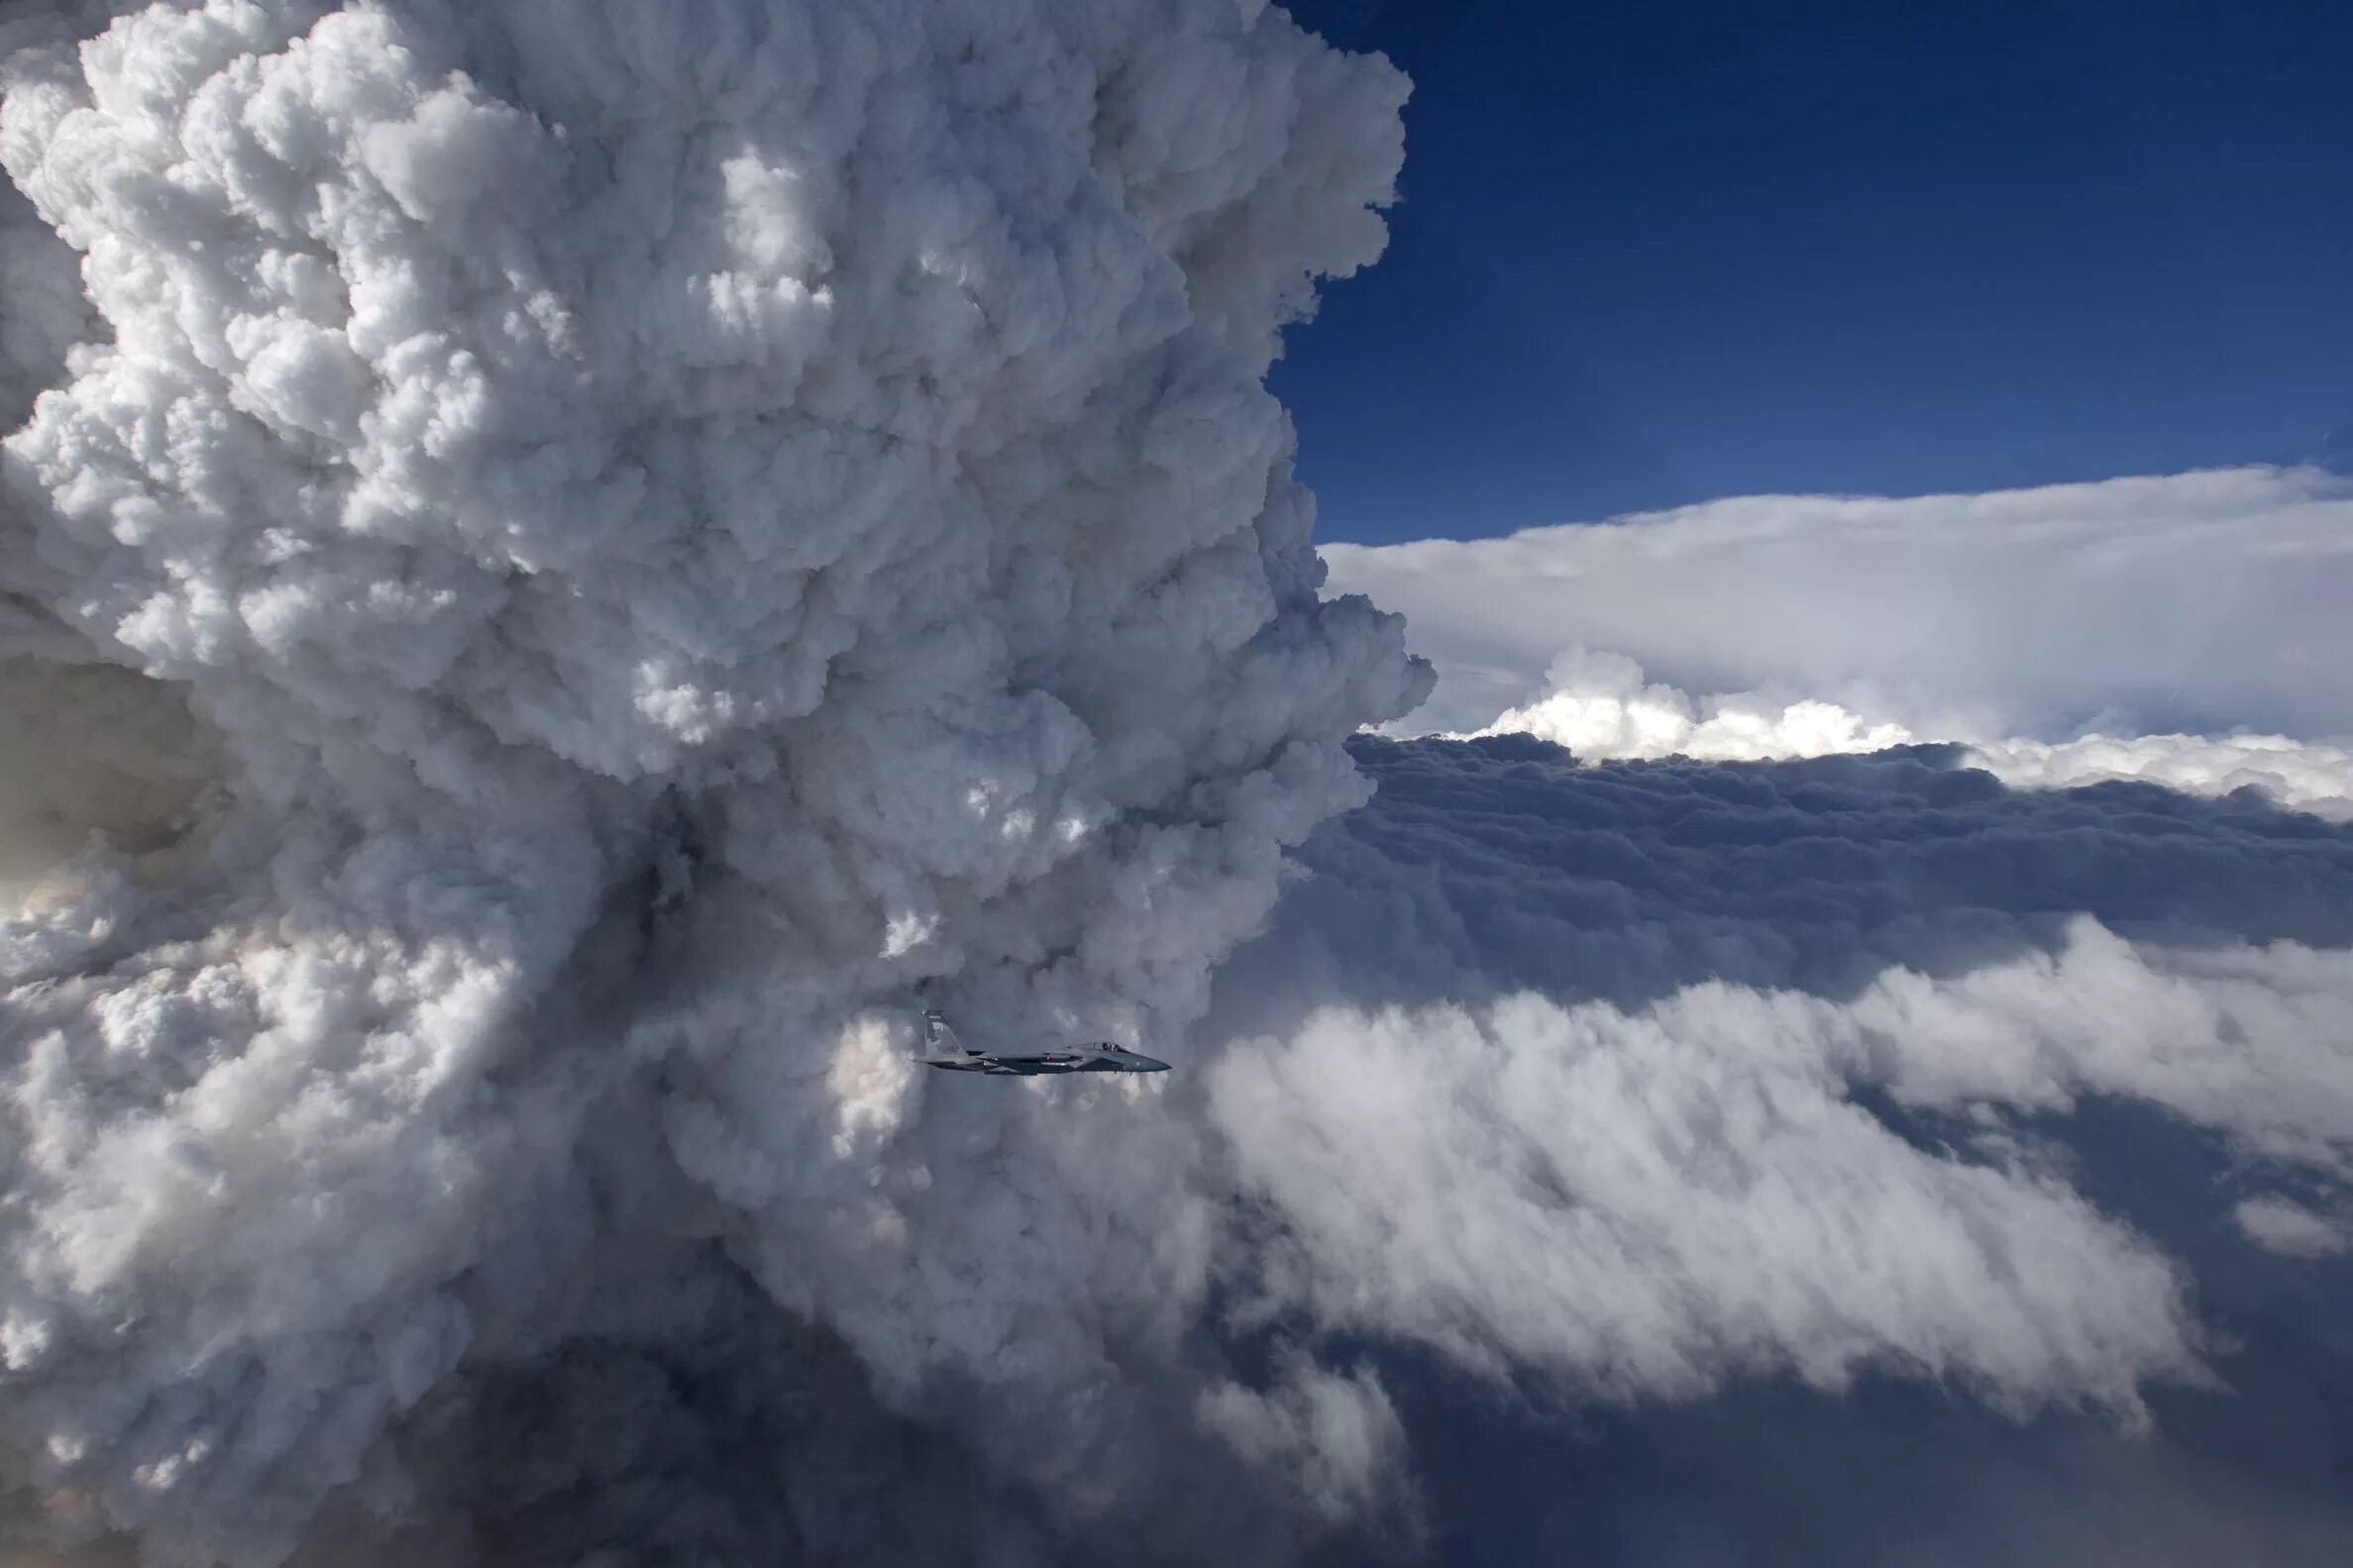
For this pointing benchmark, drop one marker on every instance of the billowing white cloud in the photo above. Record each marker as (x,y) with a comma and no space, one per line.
(1628,1083)
(1336,1432)
(2310,776)
(2284,1226)
(1896,926)
(1599,705)
(556,561)
(573,554)
(1645,1204)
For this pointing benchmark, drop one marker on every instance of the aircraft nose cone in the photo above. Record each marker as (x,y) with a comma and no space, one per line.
(1150,1064)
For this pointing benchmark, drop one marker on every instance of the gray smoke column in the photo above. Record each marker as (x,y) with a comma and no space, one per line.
(566,556)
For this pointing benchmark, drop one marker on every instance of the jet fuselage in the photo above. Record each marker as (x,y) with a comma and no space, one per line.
(1069,1059)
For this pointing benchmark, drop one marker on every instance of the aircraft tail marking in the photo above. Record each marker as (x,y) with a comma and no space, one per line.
(939,1041)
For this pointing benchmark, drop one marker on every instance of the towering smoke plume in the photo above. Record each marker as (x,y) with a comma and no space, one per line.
(560,561)
(569,556)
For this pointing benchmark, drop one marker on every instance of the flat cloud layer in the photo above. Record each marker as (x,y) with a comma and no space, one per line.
(560,560)
(2189,603)
(1575,951)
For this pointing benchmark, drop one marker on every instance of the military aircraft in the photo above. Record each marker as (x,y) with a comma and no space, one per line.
(941,1049)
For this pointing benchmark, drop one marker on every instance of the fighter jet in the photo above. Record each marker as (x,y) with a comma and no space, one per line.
(941,1049)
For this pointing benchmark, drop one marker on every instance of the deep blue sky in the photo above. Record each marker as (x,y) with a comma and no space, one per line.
(1651,254)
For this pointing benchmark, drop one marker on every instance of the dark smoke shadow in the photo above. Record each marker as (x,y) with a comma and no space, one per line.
(738,1433)
(727,1429)
(1503,864)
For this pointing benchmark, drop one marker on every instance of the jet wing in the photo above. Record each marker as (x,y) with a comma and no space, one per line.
(1035,1059)
(1010,1064)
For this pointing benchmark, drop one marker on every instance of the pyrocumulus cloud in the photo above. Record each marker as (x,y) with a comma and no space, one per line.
(564,558)
(559,560)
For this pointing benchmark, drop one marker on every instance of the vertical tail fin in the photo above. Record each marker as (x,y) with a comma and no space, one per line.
(939,1041)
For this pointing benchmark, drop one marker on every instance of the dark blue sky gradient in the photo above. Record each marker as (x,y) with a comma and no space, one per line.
(1651,255)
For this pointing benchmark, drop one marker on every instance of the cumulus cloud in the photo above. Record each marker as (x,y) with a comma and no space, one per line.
(557,561)
(1683,1077)
(1504,864)
(1336,1432)
(1599,705)
(1646,1201)
(2307,774)
(2200,941)
(1643,1206)
(568,558)
(2001,923)
(2284,1226)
